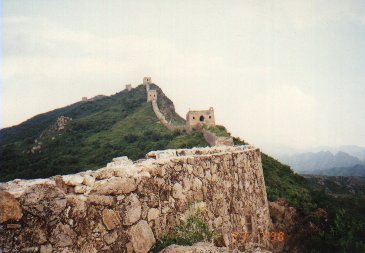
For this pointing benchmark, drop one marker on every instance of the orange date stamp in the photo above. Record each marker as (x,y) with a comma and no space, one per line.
(273,236)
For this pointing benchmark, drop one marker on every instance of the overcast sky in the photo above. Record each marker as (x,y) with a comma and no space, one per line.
(288,73)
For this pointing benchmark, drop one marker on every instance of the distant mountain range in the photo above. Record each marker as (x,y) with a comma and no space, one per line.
(346,160)
(352,150)
(322,160)
(353,171)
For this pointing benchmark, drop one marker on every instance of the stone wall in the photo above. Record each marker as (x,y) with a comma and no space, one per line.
(126,206)
(152,97)
(215,140)
(160,116)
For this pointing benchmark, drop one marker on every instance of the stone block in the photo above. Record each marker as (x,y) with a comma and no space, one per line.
(142,237)
(89,180)
(111,218)
(153,214)
(133,210)
(101,200)
(9,208)
(62,236)
(73,180)
(177,191)
(114,186)
(44,201)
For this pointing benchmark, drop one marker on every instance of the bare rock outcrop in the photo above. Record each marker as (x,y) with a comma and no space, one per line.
(295,226)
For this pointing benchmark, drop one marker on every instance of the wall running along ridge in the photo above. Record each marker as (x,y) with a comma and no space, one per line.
(211,138)
(160,116)
(127,206)
(157,111)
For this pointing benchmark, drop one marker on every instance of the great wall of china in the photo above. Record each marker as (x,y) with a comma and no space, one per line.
(195,120)
(127,206)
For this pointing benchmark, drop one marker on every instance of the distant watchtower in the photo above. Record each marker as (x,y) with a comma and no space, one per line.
(197,119)
(84,99)
(128,87)
(151,95)
(147,80)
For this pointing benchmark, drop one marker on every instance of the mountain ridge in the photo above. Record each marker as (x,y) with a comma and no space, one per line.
(120,124)
(322,160)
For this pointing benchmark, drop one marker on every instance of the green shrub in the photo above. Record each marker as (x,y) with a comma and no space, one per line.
(193,229)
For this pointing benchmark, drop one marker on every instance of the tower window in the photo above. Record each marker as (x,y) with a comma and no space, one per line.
(201,118)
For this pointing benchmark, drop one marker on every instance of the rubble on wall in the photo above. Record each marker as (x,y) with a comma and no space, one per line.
(127,207)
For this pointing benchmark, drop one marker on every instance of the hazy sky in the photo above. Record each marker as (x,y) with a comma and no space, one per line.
(277,72)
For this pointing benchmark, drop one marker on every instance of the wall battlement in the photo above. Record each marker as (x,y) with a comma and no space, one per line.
(127,205)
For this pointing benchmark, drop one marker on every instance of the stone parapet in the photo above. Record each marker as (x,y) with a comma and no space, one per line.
(127,206)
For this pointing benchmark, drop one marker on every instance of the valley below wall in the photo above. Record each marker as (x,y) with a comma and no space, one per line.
(128,206)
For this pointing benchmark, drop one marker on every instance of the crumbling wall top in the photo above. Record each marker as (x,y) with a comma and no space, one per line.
(169,153)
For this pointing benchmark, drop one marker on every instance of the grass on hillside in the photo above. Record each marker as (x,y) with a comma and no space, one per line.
(120,125)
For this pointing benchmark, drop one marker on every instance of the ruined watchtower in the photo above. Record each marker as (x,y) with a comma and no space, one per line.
(147,80)
(197,119)
(84,99)
(128,87)
(151,95)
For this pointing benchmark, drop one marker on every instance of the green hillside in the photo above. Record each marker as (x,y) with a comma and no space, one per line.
(123,124)
(338,185)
